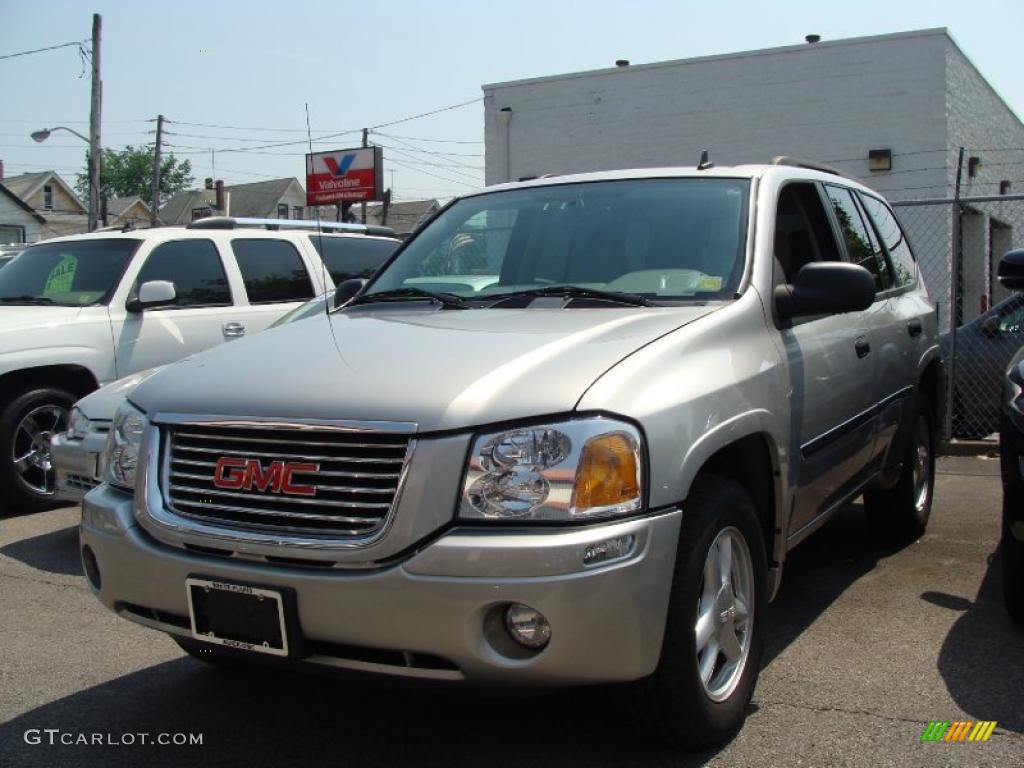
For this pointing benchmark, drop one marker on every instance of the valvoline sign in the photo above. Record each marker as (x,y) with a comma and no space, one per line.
(344,176)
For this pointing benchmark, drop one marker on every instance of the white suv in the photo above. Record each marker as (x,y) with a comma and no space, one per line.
(78,312)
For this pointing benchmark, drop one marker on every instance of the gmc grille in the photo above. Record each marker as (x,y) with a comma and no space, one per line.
(355,486)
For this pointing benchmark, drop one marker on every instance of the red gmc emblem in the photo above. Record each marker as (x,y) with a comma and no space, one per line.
(248,474)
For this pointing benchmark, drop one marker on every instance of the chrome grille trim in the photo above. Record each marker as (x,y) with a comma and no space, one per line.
(354,503)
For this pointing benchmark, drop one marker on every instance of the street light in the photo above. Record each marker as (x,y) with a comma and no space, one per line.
(43,135)
(40,136)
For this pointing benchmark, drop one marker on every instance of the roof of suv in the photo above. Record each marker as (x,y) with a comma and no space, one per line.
(183,233)
(752,171)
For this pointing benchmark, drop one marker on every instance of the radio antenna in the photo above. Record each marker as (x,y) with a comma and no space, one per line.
(319,229)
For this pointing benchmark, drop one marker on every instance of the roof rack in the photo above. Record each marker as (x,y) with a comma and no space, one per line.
(232,222)
(796,162)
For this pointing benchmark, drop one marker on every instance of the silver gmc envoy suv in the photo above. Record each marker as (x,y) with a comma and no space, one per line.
(566,435)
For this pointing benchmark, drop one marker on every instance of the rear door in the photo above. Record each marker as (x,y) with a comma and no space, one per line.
(887,336)
(192,324)
(275,280)
(909,314)
(830,368)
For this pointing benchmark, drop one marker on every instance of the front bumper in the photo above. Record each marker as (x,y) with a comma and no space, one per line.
(439,603)
(77,463)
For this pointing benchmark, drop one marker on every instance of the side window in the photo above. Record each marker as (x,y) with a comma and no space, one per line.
(860,245)
(352,257)
(272,271)
(802,230)
(893,238)
(195,268)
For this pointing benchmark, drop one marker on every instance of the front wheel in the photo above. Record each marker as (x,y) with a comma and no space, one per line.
(714,635)
(900,514)
(27,424)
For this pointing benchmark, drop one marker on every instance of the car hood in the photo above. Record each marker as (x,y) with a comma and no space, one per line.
(16,318)
(101,404)
(438,369)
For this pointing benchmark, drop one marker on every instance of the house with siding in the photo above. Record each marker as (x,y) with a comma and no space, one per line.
(273,199)
(48,195)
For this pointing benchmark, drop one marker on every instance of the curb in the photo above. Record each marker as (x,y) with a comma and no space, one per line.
(968,447)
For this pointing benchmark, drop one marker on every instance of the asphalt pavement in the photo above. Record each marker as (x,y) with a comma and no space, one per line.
(865,646)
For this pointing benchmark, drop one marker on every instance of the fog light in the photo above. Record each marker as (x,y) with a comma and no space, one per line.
(612,549)
(527,627)
(92,568)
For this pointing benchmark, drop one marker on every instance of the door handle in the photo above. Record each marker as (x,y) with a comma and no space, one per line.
(914,328)
(233,330)
(862,346)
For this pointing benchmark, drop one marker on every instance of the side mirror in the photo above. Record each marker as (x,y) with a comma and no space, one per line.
(1011,270)
(990,326)
(825,288)
(347,290)
(153,293)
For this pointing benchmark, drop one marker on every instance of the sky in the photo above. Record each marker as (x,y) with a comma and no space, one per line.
(236,76)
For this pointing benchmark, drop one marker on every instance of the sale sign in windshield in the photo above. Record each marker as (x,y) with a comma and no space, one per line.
(344,176)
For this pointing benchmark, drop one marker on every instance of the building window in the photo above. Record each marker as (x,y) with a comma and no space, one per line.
(11,233)
(48,197)
(282,211)
(296,211)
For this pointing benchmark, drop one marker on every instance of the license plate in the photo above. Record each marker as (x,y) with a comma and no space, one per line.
(237,616)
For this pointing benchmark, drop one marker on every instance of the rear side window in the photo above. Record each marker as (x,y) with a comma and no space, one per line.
(893,238)
(195,268)
(272,271)
(861,246)
(352,257)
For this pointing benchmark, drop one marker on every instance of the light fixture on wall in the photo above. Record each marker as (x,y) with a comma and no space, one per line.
(879,159)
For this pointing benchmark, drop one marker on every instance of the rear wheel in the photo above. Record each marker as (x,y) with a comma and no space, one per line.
(901,513)
(714,635)
(27,424)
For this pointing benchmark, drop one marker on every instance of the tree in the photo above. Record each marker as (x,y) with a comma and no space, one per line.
(128,172)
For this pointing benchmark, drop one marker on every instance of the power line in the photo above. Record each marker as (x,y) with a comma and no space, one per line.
(437,141)
(428,114)
(435,175)
(80,44)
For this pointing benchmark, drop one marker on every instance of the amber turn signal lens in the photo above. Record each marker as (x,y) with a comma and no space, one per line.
(608,473)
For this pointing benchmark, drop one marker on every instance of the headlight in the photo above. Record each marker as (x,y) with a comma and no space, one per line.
(78,425)
(121,457)
(575,470)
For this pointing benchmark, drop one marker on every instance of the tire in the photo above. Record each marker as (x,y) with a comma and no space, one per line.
(900,514)
(686,711)
(27,477)
(1013,565)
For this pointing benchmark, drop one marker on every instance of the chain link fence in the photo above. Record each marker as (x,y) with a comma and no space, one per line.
(958,243)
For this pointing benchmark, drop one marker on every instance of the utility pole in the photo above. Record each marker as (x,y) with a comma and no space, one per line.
(156,169)
(366,143)
(95,109)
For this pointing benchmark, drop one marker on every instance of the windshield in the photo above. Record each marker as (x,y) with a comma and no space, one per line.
(662,239)
(70,273)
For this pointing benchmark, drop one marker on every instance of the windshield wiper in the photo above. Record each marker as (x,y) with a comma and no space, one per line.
(577,292)
(40,300)
(449,300)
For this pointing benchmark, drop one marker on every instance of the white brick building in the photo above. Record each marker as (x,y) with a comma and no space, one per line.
(915,94)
